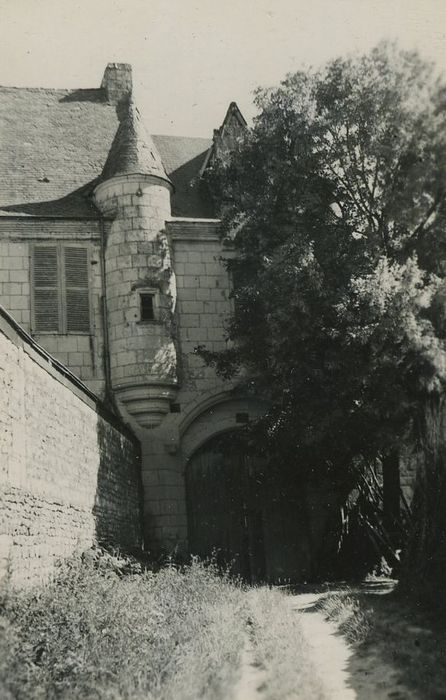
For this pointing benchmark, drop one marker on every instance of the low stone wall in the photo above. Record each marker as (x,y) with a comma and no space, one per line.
(69,472)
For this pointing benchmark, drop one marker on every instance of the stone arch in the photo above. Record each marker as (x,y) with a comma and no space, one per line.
(213,415)
(283,523)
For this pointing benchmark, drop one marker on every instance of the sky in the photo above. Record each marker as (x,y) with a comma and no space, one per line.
(191,58)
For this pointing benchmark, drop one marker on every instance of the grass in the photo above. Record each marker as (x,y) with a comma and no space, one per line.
(354,620)
(389,632)
(95,633)
(105,629)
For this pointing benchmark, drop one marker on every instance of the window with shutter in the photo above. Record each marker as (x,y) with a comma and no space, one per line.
(61,301)
(77,303)
(47,312)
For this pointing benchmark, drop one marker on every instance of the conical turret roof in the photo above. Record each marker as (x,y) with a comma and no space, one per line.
(133,150)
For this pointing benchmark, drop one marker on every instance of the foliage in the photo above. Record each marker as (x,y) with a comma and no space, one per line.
(98,632)
(335,204)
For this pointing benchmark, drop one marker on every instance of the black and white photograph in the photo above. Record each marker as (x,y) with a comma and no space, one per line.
(222,350)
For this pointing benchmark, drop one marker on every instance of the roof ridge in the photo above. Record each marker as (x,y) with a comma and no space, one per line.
(42,89)
(182,136)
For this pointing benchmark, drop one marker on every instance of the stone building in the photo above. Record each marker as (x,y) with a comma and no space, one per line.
(110,259)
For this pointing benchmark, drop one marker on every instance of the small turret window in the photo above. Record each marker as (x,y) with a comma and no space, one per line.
(147,306)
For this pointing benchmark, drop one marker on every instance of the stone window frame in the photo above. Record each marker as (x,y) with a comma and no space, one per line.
(61,246)
(155,293)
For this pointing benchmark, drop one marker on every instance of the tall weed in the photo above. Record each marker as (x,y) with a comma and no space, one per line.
(95,633)
(345,610)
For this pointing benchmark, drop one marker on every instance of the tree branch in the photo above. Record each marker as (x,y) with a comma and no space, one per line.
(421,229)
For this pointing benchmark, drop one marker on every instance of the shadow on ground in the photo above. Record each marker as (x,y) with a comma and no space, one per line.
(404,644)
(399,651)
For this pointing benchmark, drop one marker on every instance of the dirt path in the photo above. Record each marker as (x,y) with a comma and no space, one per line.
(251,683)
(343,675)
(329,652)
(329,655)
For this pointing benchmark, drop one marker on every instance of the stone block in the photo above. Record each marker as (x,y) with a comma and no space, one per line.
(19,302)
(150,478)
(83,343)
(214,269)
(189,321)
(191,307)
(123,261)
(181,256)
(203,294)
(18,249)
(189,293)
(219,294)
(197,334)
(75,358)
(18,276)
(208,281)
(194,269)
(16,263)
(12,288)
(215,334)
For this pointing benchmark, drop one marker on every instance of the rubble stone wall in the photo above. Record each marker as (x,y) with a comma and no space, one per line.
(69,472)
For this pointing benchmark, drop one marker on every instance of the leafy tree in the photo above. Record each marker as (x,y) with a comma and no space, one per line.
(335,205)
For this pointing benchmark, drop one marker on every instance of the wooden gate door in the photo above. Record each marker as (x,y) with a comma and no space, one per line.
(224,514)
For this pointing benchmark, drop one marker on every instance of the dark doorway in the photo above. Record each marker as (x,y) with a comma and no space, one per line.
(225,515)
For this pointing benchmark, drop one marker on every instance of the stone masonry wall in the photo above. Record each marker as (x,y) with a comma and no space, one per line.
(134,261)
(203,307)
(203,289)
(82,353)
(69,474)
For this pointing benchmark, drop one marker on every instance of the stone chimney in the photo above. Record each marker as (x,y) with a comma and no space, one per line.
(117,82)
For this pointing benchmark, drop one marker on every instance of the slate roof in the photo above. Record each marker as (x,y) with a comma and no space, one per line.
(54,145)
(133,150)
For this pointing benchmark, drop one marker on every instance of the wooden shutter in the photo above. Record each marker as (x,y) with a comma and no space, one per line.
(77,304)
(46,308)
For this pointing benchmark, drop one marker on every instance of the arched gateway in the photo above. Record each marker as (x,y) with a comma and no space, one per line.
(247,514)
(225,506)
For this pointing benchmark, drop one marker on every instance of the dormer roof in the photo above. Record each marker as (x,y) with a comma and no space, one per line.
(225,138)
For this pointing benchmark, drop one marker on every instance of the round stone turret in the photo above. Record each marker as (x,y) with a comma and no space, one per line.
(140,283)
